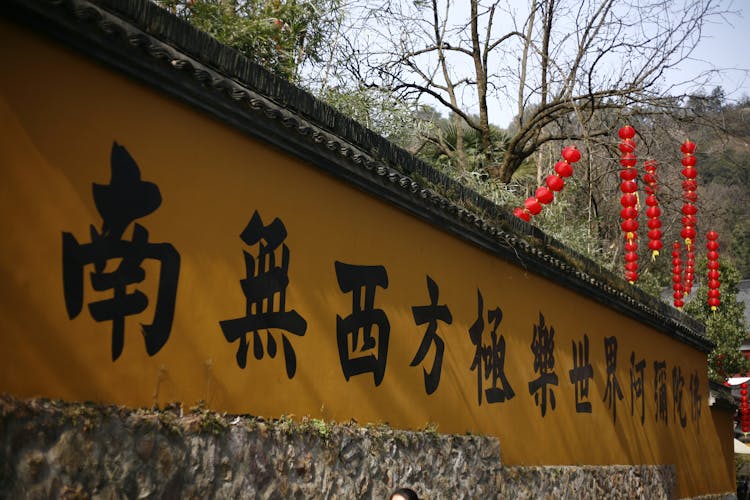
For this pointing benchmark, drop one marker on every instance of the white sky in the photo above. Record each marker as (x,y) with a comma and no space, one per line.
(725,46)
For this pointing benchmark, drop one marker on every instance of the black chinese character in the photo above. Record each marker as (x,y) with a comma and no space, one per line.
(678,384)
(581,373)
(264,282)
(612,392)
(371,354)
(695,399)
(431,315)
(636,385)
(660,390)
(125,199)
(543,346)
(492,356)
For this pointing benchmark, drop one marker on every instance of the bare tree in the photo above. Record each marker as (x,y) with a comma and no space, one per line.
(557,62)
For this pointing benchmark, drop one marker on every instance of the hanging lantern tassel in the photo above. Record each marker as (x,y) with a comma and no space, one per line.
(677,275)
(629,201)
(554,182)
(653,212)
(712,245)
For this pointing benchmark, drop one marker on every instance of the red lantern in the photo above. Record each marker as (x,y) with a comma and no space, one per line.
(571,154)
(544,195)
(689,209)
(629,226)
(688,147)
(522,214)
(689,186)
(688,161)
(626,132)
(714,295)
(532,205)
(653,213)
(628,159)
(628,174)
(554,183)
(628,213)
(629,201)
(563,168)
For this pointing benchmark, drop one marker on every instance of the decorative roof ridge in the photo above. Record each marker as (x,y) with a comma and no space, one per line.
(370,163)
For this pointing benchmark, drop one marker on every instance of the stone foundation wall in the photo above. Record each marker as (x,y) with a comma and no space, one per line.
(51,449)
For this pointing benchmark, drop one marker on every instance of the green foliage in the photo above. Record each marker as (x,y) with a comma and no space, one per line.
(280,35)
(726,326)
(441,147)
(740,246)
(377,110)
(728,166)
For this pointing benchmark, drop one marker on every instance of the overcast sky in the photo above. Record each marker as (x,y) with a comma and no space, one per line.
(727,46)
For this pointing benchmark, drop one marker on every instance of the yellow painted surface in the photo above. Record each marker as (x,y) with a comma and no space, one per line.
(55,142)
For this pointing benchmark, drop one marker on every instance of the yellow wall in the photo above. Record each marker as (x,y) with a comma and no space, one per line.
(55,141)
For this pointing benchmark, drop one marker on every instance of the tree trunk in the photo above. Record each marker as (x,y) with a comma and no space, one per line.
(481,75)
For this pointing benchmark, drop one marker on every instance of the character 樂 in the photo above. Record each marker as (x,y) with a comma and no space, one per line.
(371,353)
(264,286)
(543,347)
(122,201)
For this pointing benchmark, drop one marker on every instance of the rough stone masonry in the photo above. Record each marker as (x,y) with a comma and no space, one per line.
(54,449)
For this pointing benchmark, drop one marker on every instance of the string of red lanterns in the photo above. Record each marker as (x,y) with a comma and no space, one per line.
(554,183)
(682,284)
(714,295)
(744,409)
(677,286)
(629,201)
(653,212)
(689,210)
